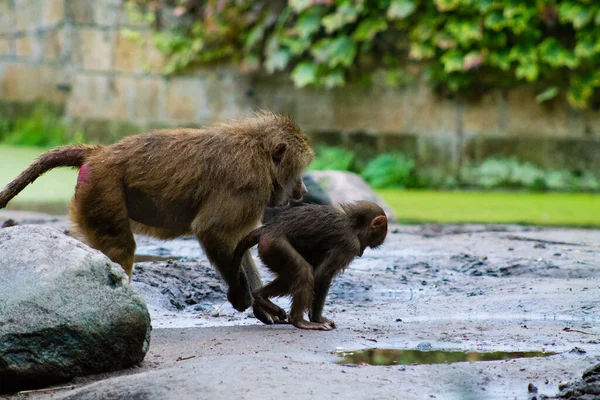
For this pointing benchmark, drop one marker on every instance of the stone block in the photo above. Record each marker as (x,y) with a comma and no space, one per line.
(591,119)
(371,110)
(186,100)
(107,12)
(97,131)
(92,49)
(402,143)
(364,146)
(27,14)
(438,152)
(525,117)
(19,82)
(50,77)
(53,44)
(149,102)
(120,129)
(7,17)
(427,114)
(485,116)
(312,107)
(28,47)
(129,52)
(546,152)
(7,47)
(53,12)
(325,138)
(277,95)
(100,97)
(80,11)
(156,61)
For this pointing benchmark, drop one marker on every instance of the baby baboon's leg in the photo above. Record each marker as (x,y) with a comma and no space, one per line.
(296,276)
(99,213)
(264,309)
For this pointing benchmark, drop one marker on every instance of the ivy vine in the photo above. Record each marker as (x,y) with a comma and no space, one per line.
(461,46)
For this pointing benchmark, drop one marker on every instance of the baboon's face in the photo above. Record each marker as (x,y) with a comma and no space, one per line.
(282,194)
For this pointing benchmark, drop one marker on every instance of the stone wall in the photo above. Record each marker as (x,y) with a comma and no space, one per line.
(76,54)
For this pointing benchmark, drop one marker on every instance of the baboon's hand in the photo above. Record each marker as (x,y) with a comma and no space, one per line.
(239,295)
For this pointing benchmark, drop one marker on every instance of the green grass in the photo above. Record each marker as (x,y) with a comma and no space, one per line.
(51,192)
(559,209)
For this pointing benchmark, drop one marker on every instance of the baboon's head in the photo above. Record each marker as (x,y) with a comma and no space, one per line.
(291,154)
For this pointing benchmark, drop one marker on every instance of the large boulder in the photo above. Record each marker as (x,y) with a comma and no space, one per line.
(65,310)
(345,187)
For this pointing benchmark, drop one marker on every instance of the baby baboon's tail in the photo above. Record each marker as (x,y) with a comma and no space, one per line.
(64,156)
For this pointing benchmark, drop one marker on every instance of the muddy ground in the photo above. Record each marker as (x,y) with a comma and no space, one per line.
(467,287)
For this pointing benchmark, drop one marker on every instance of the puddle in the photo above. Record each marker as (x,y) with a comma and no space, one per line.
(409,357)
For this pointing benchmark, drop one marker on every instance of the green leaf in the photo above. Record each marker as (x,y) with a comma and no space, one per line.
(576,13)
(300,5)
(444,41)
(529,71)
(400,9)
(254,36)
(446,5)
(499,59)
(304,74)
(344,14)
(555,55)
(334,79)
(368,28)
(547,94)
(464,31)
(587,47)
(277,61)
(297,46)
(340,50)
(308,23)
(523,52)
(453,60)
(580,92)
(421,51)
(494,21)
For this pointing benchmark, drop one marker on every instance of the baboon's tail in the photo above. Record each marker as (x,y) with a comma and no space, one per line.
(251,239)
(64,156)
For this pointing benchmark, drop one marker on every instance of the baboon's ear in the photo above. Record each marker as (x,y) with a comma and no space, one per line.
(378,222)
(278,152)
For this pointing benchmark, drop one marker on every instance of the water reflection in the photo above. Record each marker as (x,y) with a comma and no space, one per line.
(406,357)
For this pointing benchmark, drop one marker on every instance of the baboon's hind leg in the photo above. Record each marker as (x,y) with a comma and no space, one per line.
(99,213)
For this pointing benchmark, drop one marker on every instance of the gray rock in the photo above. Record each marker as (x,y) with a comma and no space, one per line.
(65,310)
(344,187)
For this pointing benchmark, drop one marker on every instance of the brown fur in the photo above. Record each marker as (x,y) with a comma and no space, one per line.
(306,247)
(212,182)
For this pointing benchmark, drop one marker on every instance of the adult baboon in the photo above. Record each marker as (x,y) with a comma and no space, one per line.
(212,182)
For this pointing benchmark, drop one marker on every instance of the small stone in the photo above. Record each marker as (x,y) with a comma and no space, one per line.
(531,388)
(424,346)
(9,222)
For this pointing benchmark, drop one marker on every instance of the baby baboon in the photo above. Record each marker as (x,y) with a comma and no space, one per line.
(212,182)
(306,247)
